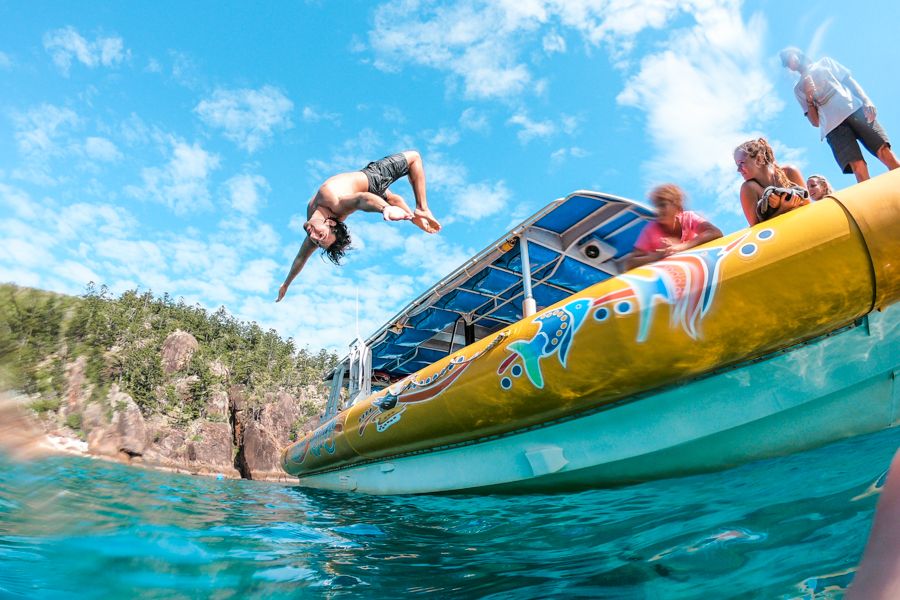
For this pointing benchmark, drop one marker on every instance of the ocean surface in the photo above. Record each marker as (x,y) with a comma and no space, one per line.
(792,527)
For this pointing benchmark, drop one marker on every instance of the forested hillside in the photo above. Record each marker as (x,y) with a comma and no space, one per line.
(180,364)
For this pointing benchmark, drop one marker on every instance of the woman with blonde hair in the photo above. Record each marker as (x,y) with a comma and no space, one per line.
(768,189)
(673,230)
(818,187)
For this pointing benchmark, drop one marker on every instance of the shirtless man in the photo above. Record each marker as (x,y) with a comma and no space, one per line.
(345,193)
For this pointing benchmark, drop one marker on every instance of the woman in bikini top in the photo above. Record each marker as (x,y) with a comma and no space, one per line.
(768,189)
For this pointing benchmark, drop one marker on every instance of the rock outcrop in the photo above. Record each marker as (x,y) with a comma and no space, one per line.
(75,387)
(124,435)
(177,351)
(236,435)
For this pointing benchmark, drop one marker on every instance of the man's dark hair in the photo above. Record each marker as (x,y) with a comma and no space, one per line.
(335,252)
(790,51)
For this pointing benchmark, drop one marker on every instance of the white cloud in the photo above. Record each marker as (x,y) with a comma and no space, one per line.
(247,234)
(182,184)
(39,130)
(563,154)
(5,61)
(257,276)
(378,237)
(553,43)
(531,129)
(18,201)
(24,253)
(296,222)
(444,174)
(818,38)
(444,137)
(76,272)
(153,66)
(189,255)
(244,192)
(66,45)
(184,69)
(479,200)
(83,219)
(432,256)
(479,42)
(138,254)
(20,276)
(101,149)
(248,117)
(466,39)
(311,115)
(473,119)
(703,93)
(393,114)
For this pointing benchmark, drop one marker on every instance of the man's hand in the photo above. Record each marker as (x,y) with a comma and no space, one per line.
(869,111)
(395,213)
(809,89)
(424,220)
(281,292)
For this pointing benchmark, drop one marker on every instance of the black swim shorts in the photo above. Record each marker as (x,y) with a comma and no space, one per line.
(842,139)
(382,173)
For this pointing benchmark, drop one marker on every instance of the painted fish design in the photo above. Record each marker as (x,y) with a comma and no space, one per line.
(687,282)
(556,329)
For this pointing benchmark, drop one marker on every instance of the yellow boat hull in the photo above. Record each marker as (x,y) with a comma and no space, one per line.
(797,278)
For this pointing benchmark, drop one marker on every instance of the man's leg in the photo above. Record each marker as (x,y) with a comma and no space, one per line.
(416,176)
(887,156)
(423,217)
(844,145)
(874,138)
(860,169)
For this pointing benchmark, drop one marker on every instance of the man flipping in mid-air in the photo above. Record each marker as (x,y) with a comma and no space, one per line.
(345,193)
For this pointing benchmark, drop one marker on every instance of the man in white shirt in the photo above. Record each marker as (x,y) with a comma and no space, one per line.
(835,103)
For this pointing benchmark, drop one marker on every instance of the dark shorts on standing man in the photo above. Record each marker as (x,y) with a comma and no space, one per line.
(842,139)
(382,173)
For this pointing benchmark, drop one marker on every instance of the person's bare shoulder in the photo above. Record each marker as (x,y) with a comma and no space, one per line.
(751,187)
(794,174)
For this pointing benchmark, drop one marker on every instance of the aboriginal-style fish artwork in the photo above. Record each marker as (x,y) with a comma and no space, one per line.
(556,329)
(687,282)
(321,439)
(387,408)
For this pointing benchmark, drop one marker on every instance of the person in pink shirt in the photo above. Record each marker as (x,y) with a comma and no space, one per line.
(674,229)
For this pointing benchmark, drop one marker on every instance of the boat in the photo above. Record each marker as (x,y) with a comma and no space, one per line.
(542,365)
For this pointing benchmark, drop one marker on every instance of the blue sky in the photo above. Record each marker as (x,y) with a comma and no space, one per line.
(172,146)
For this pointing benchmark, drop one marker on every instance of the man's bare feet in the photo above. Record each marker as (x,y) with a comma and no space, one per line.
(395,213)
(425,221)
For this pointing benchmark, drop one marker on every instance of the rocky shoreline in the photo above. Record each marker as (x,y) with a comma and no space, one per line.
(236,437)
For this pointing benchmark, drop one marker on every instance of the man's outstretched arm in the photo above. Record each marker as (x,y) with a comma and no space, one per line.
(857,91)
(307,248)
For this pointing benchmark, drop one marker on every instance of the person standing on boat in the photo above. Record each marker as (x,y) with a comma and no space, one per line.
(674,229)
(768,189)
(835,103)
(367,190)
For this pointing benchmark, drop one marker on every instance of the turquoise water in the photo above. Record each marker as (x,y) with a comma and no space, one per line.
(781,528)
